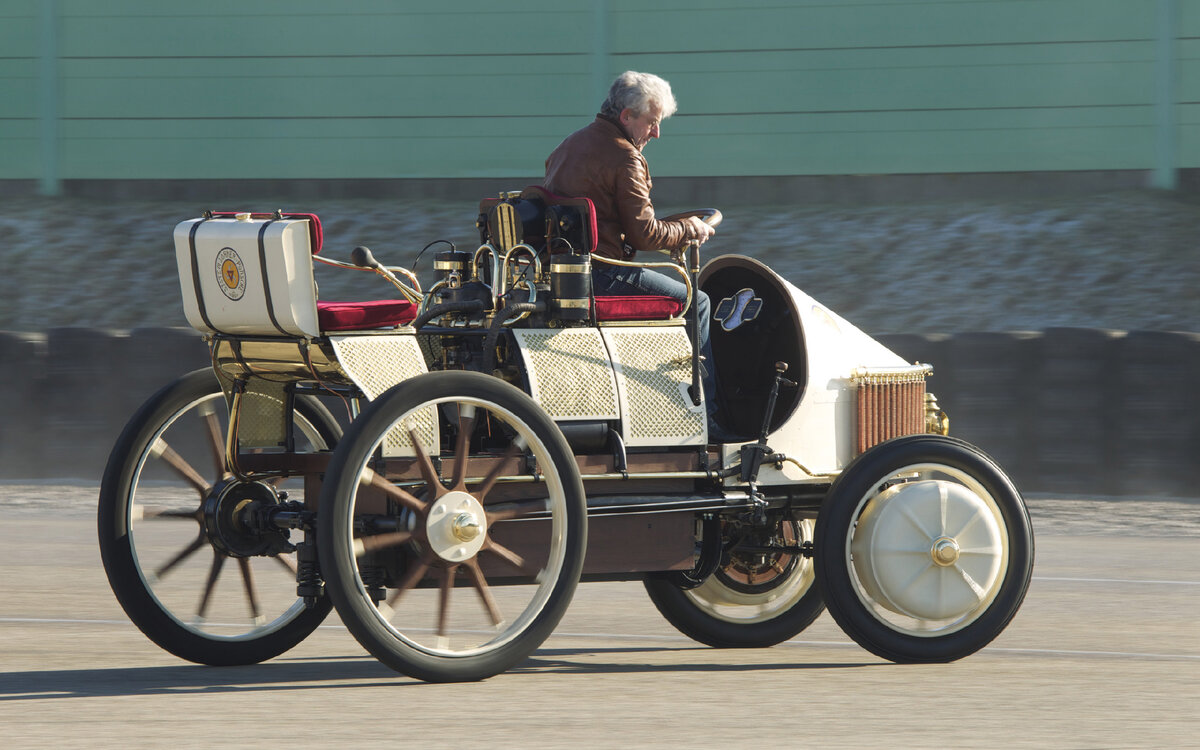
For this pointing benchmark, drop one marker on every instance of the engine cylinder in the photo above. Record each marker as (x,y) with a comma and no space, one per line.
(571,286)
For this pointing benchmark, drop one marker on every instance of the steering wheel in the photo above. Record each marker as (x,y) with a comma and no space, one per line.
(709,216)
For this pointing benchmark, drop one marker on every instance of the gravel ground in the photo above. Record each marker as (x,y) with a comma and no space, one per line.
(1122,260)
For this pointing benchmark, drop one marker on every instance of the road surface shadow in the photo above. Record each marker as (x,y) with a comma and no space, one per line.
(583,661)
(353,672)
(193,678)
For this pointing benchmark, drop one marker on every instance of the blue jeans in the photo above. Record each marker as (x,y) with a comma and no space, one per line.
(608,279)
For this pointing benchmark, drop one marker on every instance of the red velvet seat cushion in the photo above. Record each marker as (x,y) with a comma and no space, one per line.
(354,316)
(637,307)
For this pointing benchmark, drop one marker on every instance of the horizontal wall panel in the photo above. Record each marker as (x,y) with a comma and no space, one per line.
(641,27)
(393,97)
(912,122)
(18,84)
(330,33)
(19,28)
(928,58)
(911,89)
(904,153)
(486,131)
(235,9)
(18,149)
(1188,70)
(310,158)
(482,87)
(842,146)
(1189,135)
(250,72)
(1189,18)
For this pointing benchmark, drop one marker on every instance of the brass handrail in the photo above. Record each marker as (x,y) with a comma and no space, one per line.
(687,282)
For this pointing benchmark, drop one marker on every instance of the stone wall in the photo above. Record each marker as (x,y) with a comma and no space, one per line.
(1065,410)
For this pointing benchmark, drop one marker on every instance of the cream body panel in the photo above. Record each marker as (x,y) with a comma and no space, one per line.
(819,434)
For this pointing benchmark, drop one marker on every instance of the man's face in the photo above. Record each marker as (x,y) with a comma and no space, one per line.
(641,128)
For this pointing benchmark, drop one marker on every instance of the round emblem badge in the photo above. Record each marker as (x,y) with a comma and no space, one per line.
(231,273)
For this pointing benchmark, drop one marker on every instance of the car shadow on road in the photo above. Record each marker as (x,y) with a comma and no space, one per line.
(358,672)
(193,678)
(670,660)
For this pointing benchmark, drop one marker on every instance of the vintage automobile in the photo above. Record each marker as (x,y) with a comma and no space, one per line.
(508,434)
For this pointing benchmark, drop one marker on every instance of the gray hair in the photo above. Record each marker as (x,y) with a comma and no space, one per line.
(639,93)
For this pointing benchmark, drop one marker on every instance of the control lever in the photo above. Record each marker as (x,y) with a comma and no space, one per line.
(693,269)
(752,454)
(362,257)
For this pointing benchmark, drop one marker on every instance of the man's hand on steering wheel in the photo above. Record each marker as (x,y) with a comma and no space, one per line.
(700,230)
(701,223)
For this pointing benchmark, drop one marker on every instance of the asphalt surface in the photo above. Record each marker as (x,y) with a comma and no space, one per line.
(1105,653)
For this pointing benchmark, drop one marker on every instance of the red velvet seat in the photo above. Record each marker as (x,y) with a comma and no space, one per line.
(637,307)
(608,308)
(355,316)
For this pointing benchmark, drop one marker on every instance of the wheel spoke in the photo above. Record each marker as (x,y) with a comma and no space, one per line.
(185,553)
(918,523)
(251,591)
(444,601)
(509,511)
(181,466)
(466,425)
(511,557)
(287,564)
(366,544)
(978,590)
(370,478)
(485,593)
(216,440)
(415,573)
(425,464)
(213,573)
(158,512)
(517,448)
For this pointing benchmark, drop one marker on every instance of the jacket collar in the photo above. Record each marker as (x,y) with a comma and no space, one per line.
(617,124)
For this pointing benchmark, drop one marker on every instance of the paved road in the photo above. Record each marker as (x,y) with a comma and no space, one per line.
(1105,653)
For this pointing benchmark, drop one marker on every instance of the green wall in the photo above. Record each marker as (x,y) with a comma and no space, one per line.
(229,89)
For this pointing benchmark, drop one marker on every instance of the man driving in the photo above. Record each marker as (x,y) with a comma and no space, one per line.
(603,161)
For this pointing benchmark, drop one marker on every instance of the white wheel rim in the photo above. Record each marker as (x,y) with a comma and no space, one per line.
(483,638)
(178,599)
(928,555)
(724,603)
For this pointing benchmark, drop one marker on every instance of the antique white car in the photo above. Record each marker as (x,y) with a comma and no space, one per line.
(510,434)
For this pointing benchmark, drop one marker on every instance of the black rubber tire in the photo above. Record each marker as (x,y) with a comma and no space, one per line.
(694,612)
(404,650)
(862,617)
(134,586)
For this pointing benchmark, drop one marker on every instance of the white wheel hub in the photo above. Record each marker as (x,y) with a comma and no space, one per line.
(932,550)
(457,526)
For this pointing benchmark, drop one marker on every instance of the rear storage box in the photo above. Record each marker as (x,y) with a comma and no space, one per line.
(247,276)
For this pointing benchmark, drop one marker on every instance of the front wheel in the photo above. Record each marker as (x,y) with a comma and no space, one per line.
(453,527)
(924,549)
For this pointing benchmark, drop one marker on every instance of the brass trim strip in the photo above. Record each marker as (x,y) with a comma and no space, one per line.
(570,268)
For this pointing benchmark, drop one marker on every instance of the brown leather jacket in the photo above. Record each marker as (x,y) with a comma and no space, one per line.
(600,162)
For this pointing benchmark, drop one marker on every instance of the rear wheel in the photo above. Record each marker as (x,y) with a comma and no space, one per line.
(924,549)
(763,592)
(452,481)
(186,571)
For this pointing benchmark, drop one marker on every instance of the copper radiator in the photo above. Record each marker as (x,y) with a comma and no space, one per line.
(891,403)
